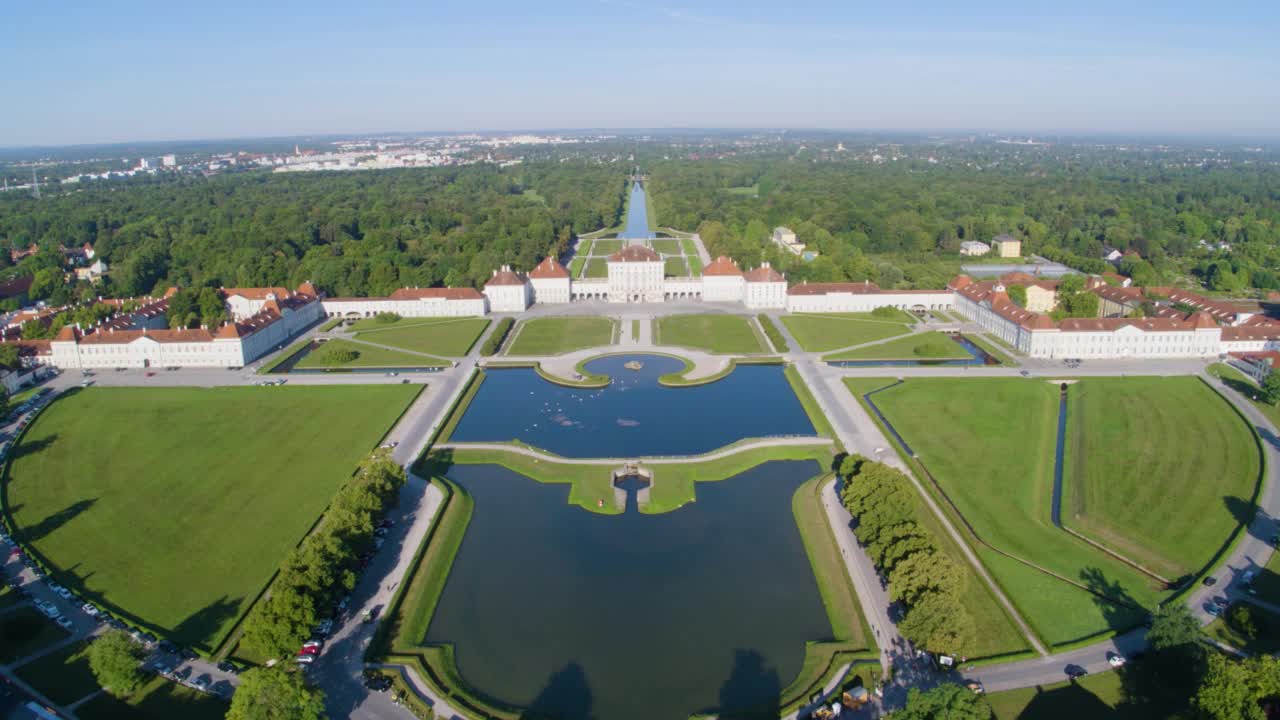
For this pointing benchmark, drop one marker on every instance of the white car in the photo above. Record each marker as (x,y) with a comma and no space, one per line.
(1116,660)
(89,609)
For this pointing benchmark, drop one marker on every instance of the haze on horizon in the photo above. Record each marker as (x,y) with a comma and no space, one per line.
(137,71)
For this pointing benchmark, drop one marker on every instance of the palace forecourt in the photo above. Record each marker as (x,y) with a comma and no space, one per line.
(1180,324)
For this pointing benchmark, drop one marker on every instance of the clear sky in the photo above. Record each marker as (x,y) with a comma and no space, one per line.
(79,72)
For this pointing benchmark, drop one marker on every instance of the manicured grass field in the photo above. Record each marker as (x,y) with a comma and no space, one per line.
(367,356)
(1170,446)
(917,346)
(159,699)
(717,333)
(24,631)
(605,247)
(63,676)
(575,265)
(838,596)
(1092,697)
(990,443)
(695,265)
(445,337)
(689,247)
(822,333)
(666,246)
(173,507)
(597,267)
(558,335)
(675,267)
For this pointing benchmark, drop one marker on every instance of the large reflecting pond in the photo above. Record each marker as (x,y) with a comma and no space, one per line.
(634,416)
(575,614)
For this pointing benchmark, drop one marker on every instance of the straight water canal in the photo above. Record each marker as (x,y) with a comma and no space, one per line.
(633,416)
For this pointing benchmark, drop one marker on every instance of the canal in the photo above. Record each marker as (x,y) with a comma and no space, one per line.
(637,215)
(578,615)
(633,416)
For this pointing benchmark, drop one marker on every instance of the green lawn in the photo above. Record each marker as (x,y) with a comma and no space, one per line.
(993,349)
(1265,640)
(666,246)
(928,345)
(597,268)
(717,333)
(24,631)
(63,676)
(990,443)
(689,247)
(575,265)
(1237,381)
(675,267)
(367,356)
(822,333)
(331,324)
(695,265)
(199,495)
(558,335)
(1092,697)
(1268,581)
(159,699)
(1170,446)
(745,190)
(605,247)
(445,337)
(838,595)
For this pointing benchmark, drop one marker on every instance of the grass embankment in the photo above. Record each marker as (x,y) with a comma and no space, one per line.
(597,267)
(159,699)
(998,636)
(695,265)
(575,266)
(204,492)
(666,246)
(838,596)
(62,676)
(1238,382)
(331,324)
(819,419)
(366,356)
(446,337)
(25,631)
(823,333)
(284,355)
(928,345)
(714,333)
(1096,697)
(559,335)
(775,335)
(675,267)
(990,444)
(674,484)
(992,349)
(1170,446)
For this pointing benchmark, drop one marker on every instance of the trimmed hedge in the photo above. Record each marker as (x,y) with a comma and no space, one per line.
(497,337)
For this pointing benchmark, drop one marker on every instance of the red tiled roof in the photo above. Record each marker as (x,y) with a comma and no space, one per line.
(722,265)
(505,276)
(446,293)
(635,253)
(854,288)
(1251,332)
(960,282)
(256,293)
(549,268)
(764,273)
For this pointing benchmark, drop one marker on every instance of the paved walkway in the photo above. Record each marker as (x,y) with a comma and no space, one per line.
(734,449)
(565,366)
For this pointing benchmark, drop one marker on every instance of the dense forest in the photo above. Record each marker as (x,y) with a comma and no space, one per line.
(902,223)
(350,233)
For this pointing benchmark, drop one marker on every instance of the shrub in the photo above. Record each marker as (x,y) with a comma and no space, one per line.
(885,312)
(386,318)
(496,338)
(1242,619)
(338,356)
(933,349)
(775,335)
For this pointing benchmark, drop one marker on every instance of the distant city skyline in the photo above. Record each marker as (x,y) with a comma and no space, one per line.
(151,71)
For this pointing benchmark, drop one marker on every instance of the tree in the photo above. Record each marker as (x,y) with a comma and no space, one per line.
(923,573)
(939,622)
(9,357)
(1234,689)
(115,662)
(1173,625)
(338,356)
(213,311)
(948,701)
(1018,294)
(1271,387)
(273,694)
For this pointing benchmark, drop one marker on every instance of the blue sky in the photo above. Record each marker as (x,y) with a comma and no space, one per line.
(99,72)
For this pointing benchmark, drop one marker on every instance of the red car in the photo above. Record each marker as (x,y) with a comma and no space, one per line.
(313,650)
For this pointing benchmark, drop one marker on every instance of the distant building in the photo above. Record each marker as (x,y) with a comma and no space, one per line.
(765,288)
(636,274)
(508,291)
(1007,246)
(169,161)
(550,282)
(93,273)
(786,239)
(1111,255)
(974,248)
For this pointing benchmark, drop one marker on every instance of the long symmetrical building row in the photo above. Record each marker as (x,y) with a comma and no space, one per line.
(1132,322)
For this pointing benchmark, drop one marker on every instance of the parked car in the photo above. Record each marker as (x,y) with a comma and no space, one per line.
(200,684)
(65,622)
(1115,659)
(312,650)
(305,659)
(1213,610)
(90,609)
(1247,577)
(325,627)
(313,643)
(1075,671)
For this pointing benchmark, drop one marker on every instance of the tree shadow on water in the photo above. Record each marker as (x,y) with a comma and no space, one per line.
(434,464)
(566,696)
(753,690)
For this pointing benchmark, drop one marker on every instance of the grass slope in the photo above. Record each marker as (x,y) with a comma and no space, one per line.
(368,356)
(597,267)
(1170,446)
(559,335)
(990,444)
(838,596)
(716,333)
(918,346)
(675,267)
(447,337)
(822,333)
(173,507)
